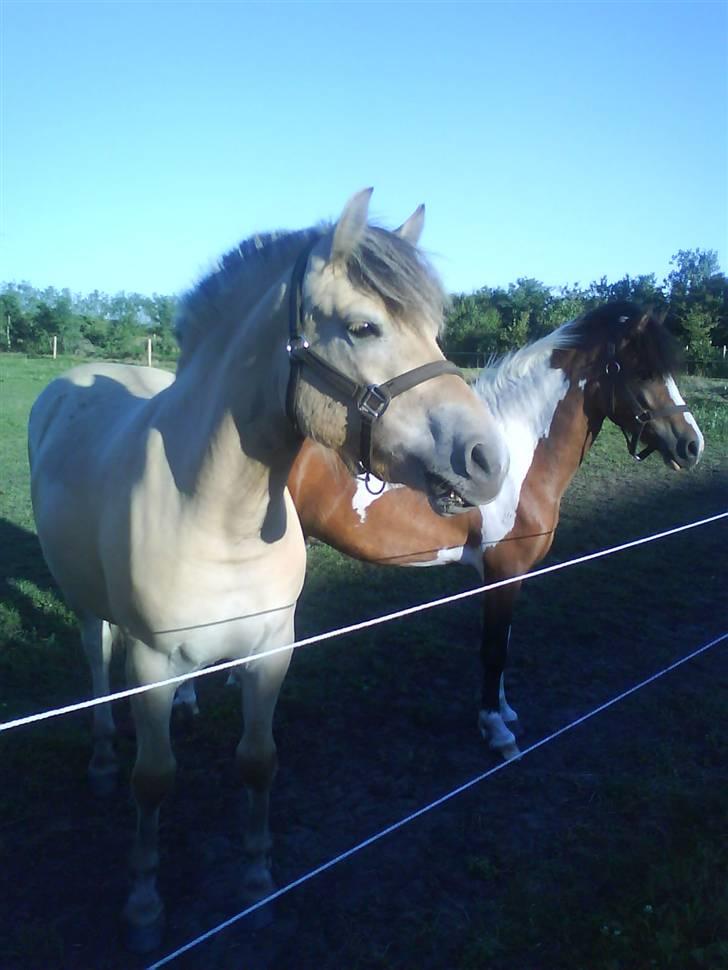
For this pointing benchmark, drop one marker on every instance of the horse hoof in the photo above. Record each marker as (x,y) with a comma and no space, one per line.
(509,752)
(144,939)
(257,882)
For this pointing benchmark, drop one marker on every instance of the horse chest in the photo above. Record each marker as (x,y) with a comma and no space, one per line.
(176,576)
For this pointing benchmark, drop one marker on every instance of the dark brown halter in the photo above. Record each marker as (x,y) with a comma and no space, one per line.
(642,416)
(370,400)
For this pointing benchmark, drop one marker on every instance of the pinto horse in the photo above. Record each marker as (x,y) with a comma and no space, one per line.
(551,399)
(161,503)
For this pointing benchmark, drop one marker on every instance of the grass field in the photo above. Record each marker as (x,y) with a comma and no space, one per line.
(602,851)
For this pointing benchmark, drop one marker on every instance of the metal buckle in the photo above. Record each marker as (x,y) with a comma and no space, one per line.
(644,417)
(373,401)
(612,367)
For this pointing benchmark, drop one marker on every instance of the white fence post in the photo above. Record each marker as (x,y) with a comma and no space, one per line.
(149,351)
(54,346)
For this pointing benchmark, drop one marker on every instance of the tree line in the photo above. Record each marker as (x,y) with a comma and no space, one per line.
(490,321)
(94,325)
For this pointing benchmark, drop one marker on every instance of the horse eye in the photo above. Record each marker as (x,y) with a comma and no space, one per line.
(364,328)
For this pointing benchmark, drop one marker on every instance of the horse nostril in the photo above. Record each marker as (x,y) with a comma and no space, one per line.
(688,449)
(479,458)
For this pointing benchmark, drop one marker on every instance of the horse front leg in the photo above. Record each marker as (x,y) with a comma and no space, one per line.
(152,779)
(97,637)
(497,721)
(257,761)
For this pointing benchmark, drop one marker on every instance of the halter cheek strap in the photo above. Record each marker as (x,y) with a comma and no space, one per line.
(370,400)
(641,416)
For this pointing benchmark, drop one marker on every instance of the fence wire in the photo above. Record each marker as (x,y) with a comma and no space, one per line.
(428,808)
(351,628)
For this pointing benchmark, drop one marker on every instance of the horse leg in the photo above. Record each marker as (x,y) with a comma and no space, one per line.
(497,721)
(103,769)
(152,779)
(257,763)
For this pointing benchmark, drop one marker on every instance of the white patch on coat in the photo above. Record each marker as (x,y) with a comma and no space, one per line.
(677,398)
(522,392)
(506,711)
(363,498)
(465,555)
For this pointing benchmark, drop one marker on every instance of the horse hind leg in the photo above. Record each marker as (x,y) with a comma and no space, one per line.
(98,637)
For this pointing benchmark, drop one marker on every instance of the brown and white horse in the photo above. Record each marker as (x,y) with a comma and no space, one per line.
(161,503)
(551,399)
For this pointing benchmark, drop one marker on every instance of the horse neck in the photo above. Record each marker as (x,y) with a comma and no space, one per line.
(227,439)
(577,420)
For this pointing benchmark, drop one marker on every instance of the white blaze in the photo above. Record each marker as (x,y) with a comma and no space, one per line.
(677,398)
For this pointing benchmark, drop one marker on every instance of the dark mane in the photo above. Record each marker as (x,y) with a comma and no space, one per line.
(383,264)
(642,342)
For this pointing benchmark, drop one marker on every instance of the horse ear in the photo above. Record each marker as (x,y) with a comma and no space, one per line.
(351,225)
(411,229)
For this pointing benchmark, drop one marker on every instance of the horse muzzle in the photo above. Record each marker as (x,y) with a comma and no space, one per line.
(685,453)
(475,477)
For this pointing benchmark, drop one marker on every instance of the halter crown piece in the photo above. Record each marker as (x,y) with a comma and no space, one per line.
(370,400)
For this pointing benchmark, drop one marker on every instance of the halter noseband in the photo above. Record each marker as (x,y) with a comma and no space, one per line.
(642,416)
(370,400)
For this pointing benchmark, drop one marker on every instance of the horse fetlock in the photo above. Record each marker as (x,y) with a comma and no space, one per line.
(257,879)
(495,732)
(144,915)
(144,904)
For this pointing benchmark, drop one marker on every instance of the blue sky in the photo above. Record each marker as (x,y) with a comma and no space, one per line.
(561,141)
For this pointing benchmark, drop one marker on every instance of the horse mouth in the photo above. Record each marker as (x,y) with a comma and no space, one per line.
(445,499)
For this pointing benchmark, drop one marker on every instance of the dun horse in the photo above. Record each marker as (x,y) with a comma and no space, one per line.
(550,399)
(161,504)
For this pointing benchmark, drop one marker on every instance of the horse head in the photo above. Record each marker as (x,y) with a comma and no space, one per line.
(639,390)
(365,302)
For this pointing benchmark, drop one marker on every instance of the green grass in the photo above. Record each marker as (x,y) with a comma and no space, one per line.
(611,858)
